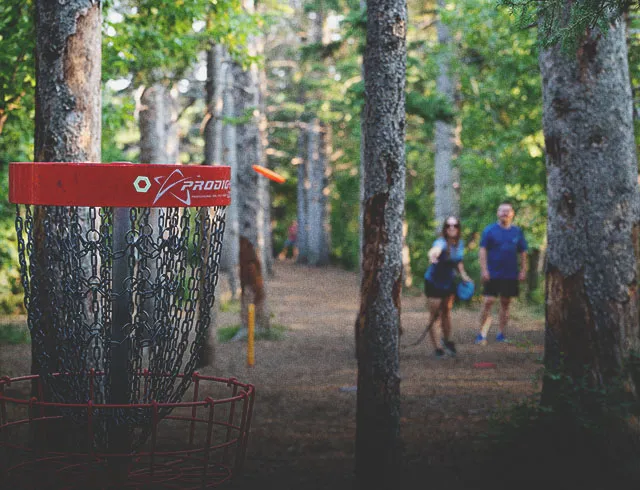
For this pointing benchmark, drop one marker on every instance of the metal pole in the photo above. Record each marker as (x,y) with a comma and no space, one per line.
(119,375)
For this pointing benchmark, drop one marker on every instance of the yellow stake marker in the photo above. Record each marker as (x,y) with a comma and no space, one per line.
(250,334)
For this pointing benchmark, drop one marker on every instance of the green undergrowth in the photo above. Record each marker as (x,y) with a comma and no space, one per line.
(276,332)
(11,333)
(230,306)
(582,442)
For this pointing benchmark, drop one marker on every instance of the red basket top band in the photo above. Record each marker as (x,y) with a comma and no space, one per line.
(119,184)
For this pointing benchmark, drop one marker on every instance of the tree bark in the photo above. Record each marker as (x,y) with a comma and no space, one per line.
(252,284)
(231,245)
(212,156)
(68,111)
(301,198)
(67,129)
(152,123)
(317,165)
(378,320)
(591,293)
(317,244)
(446,203)
(213,127)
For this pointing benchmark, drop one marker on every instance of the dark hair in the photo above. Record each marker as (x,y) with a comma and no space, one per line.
(444,230)
(507,203)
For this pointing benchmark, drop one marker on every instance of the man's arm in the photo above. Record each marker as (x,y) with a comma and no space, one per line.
(482,257)
(523,266)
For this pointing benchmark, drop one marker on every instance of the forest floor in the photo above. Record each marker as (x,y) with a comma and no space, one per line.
(303,429)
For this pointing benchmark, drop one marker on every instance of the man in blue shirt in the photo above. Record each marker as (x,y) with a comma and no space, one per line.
(501,245)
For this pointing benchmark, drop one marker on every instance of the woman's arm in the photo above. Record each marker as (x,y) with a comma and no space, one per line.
(463,274)
(434,253)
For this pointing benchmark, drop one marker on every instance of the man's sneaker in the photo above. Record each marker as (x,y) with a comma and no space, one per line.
(439,354)
(449,347)
(501,338)
(481,340)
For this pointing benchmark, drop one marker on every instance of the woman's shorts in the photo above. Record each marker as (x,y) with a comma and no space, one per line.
(433,292)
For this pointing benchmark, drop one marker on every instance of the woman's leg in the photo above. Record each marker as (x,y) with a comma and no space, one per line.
(447,304)
(434,305)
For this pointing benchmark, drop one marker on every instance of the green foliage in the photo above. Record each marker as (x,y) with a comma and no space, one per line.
(276,332)
(152,41)
(582,438)
(564,22)
(14,334)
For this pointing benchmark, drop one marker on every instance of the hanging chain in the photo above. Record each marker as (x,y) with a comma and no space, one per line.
(67,261)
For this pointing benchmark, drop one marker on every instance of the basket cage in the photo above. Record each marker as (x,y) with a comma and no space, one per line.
(120,291)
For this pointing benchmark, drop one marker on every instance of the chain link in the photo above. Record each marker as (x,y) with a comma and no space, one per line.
(67,260)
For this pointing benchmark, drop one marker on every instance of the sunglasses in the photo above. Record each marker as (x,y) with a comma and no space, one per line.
(453,225)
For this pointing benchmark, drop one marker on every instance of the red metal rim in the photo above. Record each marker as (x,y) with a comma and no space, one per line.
(119,184)
(207,440)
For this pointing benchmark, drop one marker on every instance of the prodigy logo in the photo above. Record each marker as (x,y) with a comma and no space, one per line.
(184,189)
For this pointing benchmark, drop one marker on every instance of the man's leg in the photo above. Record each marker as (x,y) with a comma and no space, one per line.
(485,319)
(504,314)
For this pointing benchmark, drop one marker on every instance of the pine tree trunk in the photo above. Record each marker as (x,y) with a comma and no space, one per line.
(591,298)
(317,165)
(67,129)
(378,321)
(213,127)
(212,156)
(446,203)
(266,241)
(171,130)
(231,244)
(68,106)
(317,236)
(152,123)
(252,284)
(302,200)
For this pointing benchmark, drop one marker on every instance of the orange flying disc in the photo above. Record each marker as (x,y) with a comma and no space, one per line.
(269,174)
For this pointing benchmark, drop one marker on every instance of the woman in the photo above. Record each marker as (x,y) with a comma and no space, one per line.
(445,257)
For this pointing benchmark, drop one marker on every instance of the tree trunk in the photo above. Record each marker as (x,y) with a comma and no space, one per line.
(446,203)
(67,129)
(317,165)
(302,200)
(378,321)
(265,238)
(68,108)
(317,245)
(213,127)
(591,302)
(152,122)
(231,245)
(212,154)
(248,144)
(171,130)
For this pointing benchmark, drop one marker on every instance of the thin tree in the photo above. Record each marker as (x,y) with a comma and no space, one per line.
(248,144)
(378,321)
(591,278)
(446,201)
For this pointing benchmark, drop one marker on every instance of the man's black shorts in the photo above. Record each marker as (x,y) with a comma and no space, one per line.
(433,292)
(507,288)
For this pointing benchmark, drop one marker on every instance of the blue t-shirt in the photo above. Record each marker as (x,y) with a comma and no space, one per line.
(442,273)
(503,246)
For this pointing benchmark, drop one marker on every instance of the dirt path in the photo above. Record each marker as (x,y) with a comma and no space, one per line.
(304,427)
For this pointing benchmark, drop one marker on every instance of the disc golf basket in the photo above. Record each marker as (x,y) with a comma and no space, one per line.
(119,264)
